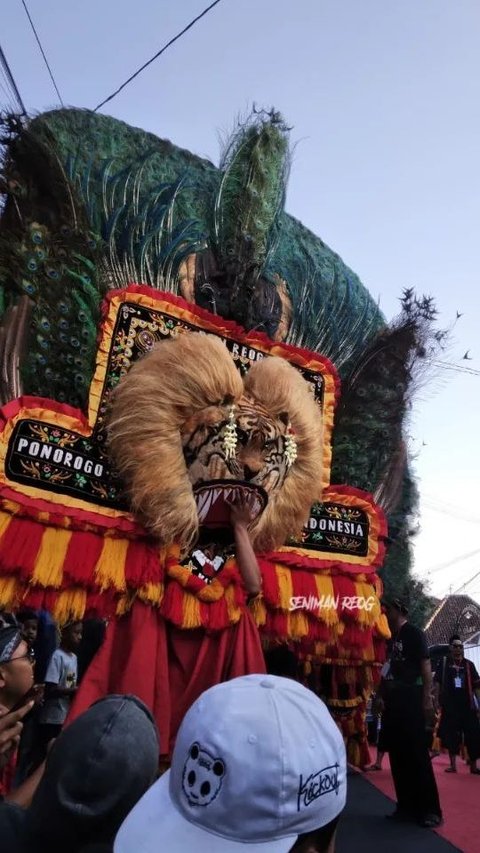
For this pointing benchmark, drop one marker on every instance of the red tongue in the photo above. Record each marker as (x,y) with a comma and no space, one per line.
(211,499)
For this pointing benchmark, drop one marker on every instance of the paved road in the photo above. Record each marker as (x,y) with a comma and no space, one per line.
(363,827)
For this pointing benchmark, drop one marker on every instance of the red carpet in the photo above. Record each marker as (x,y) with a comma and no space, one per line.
(459,798)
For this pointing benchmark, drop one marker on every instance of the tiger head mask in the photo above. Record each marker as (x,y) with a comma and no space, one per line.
(170,419)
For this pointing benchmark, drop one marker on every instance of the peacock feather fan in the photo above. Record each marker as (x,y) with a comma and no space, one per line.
(48,253)
(376,397)
(250,198)
(63,243)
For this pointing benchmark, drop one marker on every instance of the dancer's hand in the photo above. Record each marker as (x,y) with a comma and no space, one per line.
(241,511)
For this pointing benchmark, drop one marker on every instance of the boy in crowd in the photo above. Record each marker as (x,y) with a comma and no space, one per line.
(28,622)
(60,685)
(258,763)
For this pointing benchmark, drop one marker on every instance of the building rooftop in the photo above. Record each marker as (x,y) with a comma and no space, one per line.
(455,614)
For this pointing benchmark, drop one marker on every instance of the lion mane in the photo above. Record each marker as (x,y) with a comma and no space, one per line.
(165,435)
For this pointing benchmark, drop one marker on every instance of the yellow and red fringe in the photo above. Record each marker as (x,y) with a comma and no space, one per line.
(76,572)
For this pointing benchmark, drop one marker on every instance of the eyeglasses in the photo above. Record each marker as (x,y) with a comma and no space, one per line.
(457,645)
(30,656)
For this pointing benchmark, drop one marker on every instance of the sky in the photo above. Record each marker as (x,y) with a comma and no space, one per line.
(383,100)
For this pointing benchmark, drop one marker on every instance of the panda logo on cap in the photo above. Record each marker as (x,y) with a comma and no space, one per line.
(202,776)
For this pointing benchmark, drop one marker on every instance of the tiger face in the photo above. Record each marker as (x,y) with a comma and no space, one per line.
(261,446)
(260,457)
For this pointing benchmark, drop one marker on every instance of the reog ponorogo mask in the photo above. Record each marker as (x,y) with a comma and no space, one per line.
(183,418)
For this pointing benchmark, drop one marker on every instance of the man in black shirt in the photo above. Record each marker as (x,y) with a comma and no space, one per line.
(458,689)
(406,696)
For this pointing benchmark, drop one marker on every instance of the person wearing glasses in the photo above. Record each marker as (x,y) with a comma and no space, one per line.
(458,694)
(16,683)
(16,666)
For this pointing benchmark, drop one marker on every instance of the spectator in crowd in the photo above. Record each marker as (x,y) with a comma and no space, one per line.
(407,709)
(28,621)
(16,666)
(458,693)
(16,680)
(258,763)
(95,772)
(60,686)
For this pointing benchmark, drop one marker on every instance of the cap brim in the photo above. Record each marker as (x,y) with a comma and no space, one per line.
(155,823)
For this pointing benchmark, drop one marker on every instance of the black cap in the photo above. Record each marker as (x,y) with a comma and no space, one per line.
(398,604)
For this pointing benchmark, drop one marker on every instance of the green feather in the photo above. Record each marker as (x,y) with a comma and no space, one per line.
(248,203)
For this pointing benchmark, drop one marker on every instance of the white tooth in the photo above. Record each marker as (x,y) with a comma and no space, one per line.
(216,495)
(209,501)
(202,511)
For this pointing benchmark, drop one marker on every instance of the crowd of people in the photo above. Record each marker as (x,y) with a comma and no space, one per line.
(258,760)
(262,746)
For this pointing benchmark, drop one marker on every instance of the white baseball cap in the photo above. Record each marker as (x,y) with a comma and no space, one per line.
(258,761)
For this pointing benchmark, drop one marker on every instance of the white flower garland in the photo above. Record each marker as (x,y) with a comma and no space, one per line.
(230,439)
(290,450)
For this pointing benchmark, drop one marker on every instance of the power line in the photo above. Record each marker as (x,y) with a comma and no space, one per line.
(452,512)
(455,560)
(467,583)
(11,82)
(42,52)
(163,49)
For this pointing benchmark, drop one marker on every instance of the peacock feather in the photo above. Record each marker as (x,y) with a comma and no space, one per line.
(143,238)
(63,244)
(48,252)
(250,198)
(376,397)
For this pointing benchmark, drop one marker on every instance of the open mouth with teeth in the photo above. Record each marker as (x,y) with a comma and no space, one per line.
(213,501)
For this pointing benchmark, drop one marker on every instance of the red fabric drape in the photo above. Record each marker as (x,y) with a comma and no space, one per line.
(132,659)
(166,667)
(198,660)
